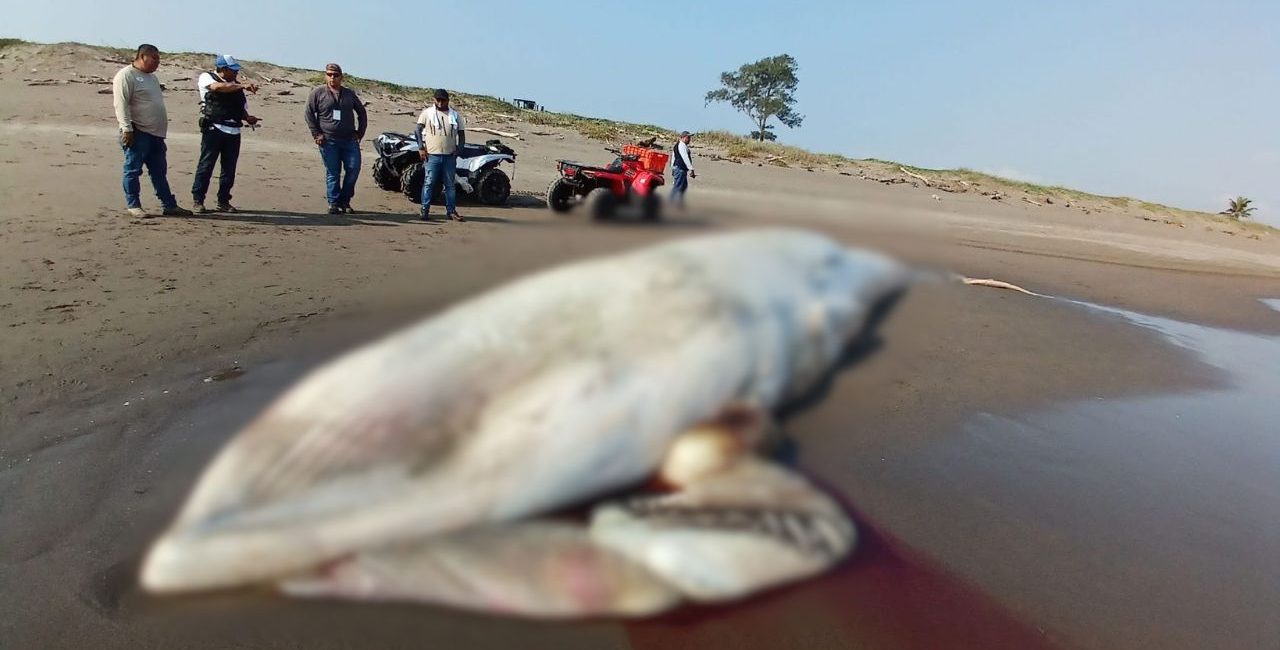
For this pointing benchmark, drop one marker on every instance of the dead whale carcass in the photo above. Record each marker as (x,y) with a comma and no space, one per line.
(553,389)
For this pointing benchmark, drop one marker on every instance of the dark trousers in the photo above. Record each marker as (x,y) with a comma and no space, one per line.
(680,184)
(215,144)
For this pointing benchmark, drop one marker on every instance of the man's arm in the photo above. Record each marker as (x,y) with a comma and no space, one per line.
(230,87)
(462,133)
(121,93)
(311,112)
(363,122)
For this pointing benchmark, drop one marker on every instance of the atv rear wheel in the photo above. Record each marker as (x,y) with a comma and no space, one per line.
(600,203)
(559,194)
(411,180)
(493,187)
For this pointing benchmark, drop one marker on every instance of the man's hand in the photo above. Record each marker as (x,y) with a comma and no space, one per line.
(253,88)
(251,120)
(320,139)
(126,138)
(422,154)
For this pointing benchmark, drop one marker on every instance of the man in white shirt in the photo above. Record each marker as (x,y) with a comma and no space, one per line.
(681,169)
(440,134)
(223,111)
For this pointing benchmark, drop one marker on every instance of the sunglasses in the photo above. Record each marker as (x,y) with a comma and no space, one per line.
(333,74)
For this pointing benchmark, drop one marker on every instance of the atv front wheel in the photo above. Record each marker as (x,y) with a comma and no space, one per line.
(493,187)
(651,206)
(559,194)
(385,176)
(600,203)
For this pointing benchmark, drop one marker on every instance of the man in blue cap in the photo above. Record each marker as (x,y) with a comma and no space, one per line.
(224,109)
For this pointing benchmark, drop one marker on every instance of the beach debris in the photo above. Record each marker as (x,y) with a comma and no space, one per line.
(225,374)
(1035,203)
(505,134)
(914,175)
(997,284)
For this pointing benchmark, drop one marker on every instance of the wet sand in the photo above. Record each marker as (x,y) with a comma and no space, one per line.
(1016,463)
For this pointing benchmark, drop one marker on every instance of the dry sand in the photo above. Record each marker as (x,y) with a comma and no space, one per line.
(111,327)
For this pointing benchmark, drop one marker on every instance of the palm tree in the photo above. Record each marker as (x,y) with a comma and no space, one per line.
(1239,208)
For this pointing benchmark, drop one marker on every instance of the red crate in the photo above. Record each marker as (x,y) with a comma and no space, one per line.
(654,161)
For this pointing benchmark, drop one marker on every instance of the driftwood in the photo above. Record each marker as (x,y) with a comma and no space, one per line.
(918,177)
(402,112)
(998,284)
(116,61)
(1035,203)
(105,91)
(770,159)
(505,134)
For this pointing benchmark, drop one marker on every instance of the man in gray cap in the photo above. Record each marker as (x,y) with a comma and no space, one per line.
(224,109)
(440,134)
(681,169)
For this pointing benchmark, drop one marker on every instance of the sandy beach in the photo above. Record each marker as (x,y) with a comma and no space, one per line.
(1015,462)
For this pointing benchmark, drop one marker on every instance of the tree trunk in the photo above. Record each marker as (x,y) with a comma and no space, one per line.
(760,127)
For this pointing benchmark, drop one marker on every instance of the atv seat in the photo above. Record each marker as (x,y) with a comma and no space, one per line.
(592,168)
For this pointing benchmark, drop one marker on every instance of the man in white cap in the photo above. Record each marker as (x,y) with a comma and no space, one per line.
(224,109)
(681,169)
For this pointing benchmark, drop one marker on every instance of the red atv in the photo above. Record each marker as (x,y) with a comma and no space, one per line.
(632,179)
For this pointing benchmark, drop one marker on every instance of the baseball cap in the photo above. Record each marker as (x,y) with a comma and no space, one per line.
(441,93)
(226,61)
(684,133)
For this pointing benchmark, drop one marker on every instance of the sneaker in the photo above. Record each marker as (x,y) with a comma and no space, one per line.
(333,209)
(223,206)
(177,211)
(348,209)
(456,217)
(198,207)
(140,213)
(424,214)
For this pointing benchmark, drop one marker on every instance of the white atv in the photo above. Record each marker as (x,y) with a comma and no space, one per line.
(399,169)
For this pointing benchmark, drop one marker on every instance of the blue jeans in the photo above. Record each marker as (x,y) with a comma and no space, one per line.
(441,169)
(679,184)
(147,150)
(340,156)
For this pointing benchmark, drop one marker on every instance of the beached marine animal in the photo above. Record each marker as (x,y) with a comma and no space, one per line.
(430,465)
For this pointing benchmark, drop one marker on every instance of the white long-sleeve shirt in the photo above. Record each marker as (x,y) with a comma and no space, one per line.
(683,149)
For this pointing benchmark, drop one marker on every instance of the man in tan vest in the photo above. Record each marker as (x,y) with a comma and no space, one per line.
(440,134)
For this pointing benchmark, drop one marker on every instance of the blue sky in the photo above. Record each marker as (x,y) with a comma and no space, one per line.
(1171,101)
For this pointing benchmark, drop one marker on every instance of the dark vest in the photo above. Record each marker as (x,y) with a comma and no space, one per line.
(226,109)
(677,160)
